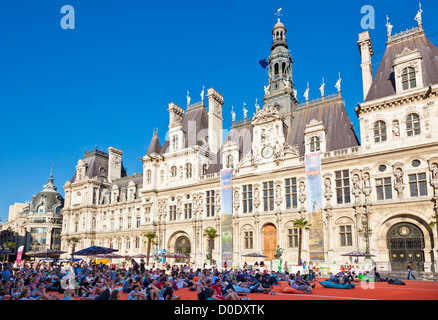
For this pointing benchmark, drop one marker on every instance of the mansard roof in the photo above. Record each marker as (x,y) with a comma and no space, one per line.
(384,80)
(97,165)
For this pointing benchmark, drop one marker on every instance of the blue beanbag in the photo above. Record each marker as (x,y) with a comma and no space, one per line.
(329,284)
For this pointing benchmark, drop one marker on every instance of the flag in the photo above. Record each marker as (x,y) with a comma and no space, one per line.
(263,63)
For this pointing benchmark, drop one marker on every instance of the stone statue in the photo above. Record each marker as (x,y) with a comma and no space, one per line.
(418,16)
(267,89)
(395,129)
(233,114)
(202,93)
(328,185)
(278,253)
(257,105)
(366,180)
(306,93)
(388,26)
(356,182)
(245,111)
(434,171)
(338,83)
(321,89)
(188,98)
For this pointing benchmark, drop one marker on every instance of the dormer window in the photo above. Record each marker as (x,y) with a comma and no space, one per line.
(380,131)
(409,79)
(413,125)
(315,144)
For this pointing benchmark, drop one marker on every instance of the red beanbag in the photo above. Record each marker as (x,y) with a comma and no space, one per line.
(291,290)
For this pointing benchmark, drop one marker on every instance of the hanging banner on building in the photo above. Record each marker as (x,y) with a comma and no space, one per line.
(226,217)
(19,254)
(314,206)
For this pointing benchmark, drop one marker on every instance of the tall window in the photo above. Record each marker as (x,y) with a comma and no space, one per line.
(248,237)
(383,188)
(188,170)
(138,224)
(315,144)
(346,236)
(204,169)
(413,125)
(409,80)
(175,142)
(380,131)
(292,237)
(129,222)
(210,203)
(173,172)
(172,213)
(342,186)
(149,176)
(418,184)
(291,193)
(187,211)
(120,223)
(247,198)
(268,196)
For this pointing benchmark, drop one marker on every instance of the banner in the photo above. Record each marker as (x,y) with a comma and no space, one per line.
(314,206)
(19,254)
(226,217)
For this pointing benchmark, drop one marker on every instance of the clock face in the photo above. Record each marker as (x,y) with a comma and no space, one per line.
(267,152)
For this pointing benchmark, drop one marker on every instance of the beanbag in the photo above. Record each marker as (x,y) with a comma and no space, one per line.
(329,284)
(291,290)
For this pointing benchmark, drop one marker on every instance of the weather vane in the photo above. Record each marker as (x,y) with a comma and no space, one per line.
(278,14)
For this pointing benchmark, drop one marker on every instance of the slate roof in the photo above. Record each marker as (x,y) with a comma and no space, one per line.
(97,165)
(154,146)
(384,80)
(195,126)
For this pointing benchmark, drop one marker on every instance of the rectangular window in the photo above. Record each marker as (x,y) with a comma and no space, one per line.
(138,222)
(268,196)
(291,193)
(187,211)
(292,237)
(342,186)
(120,223)
(248,236)
(247,198)
(172,213)
(346,236)
(418,184)
(129,222)
(384,188)
(210,203)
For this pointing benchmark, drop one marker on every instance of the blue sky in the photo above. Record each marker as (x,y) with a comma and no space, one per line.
(109,81)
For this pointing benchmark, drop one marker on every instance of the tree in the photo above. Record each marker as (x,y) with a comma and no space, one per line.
(301,224)
(150,236)
(73,241)
(10,246)
(211,234)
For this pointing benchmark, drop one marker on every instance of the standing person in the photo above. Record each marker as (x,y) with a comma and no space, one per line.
(411,270)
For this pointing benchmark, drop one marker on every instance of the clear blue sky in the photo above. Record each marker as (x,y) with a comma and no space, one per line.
(109,81)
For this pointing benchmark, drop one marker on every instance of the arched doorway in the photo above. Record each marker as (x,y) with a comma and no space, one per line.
(182,246)
(269,241)
(405,243)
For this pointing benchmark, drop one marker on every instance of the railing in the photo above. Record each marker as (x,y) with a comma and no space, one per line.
(319,100)
(404,34)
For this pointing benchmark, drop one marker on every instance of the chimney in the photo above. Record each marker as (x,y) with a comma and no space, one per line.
(215,103)
(366,52)
(114,164)
(175,115)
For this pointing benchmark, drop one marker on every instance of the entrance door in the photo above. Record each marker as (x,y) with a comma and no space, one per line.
(182,246)
(270,241)
(405,244)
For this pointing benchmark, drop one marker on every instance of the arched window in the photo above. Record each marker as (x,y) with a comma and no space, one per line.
(173,172)
(283,67)
(315,144)
(149,176)
(409,80)
(276,71)
(380,131)
(413,125)
(188,170)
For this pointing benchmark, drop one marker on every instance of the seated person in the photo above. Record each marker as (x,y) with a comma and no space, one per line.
(40,293)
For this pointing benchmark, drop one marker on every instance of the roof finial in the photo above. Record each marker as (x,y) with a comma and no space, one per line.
(51,170)
(338,84)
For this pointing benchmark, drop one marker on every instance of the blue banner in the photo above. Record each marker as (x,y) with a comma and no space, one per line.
(226,217)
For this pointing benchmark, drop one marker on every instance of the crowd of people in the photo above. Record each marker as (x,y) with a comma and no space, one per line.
(39,280)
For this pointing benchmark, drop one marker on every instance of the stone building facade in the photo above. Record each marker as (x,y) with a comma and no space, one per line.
(378,195)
